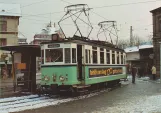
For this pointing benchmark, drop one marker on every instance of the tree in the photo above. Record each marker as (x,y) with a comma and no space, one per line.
(136,41)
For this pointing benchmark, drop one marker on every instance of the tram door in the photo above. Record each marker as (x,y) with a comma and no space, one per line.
(79,61)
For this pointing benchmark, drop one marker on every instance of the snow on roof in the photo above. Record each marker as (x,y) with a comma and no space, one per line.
(49,30)
(136,48)
(52,30)
(145,46)
(131,49)
(10,9)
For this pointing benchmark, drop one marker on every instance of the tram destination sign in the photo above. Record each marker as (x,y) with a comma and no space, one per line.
(53,45)
(99,72)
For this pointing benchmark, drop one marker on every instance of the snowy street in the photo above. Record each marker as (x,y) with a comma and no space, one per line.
(142,97)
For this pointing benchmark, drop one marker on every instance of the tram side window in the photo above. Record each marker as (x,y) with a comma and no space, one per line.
(121,58)
(108,56)
(101,55)
(67,55)
(89,55)
(54,55)
(42,56)
(118,58)
(86,53)
(73,55)
(94,54)
(113,57)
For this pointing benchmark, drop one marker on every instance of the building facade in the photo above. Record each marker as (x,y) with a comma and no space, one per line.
(47,34)
(141,56)
(156,16)
(9,22)
(22,41)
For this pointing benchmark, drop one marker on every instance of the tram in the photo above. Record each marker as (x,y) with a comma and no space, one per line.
(78,64)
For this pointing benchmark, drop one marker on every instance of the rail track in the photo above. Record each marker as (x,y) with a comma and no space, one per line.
(16,104)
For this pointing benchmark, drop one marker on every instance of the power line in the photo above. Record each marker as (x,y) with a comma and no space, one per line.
(99,15)
(29,4)
(71,3)
(37,15)
(125,4)
(34,19)
(66,1)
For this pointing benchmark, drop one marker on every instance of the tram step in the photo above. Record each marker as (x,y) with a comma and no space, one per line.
(83,86)
(81,91)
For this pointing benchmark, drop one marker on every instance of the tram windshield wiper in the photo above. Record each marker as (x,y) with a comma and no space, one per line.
(57,58)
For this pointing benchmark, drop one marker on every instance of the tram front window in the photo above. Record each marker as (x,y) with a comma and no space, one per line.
(54,55)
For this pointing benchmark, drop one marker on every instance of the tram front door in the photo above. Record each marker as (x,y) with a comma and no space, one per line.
(79,61)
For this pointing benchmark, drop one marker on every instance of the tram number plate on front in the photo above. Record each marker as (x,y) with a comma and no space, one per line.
(53,45)
(98,72)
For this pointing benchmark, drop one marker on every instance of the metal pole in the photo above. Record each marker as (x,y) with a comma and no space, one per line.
(13,71)
(131,36)
(160,61)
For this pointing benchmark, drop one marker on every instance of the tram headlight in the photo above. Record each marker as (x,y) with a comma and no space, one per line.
(54,78)
(46,78)
(62,78)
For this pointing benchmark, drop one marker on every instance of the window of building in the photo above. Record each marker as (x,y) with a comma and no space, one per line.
(54,55)
(160,25)
(3,41)
(124,59)
(101,55)
(107,56)
(73,55)
(118,58)
(42,56)
(94,51)
(113,57)
(67,55)
(3,25)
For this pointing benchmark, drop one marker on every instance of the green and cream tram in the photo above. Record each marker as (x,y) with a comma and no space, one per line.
(75,65)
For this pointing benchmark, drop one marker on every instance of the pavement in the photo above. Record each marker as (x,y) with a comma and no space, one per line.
(7,87)
(142,97)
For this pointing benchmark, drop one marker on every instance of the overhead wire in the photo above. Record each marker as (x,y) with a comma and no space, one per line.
(38,15)
(126,4)
(66,1)
(29,4)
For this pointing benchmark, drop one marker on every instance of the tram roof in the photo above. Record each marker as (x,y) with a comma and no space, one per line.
(88,42)
(23,48)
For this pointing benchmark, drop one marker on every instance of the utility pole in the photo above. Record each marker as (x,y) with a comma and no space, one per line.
(131,36)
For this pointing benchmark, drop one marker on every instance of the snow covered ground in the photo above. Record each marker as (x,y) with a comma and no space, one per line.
(138,104)
(147,104)
(15,104)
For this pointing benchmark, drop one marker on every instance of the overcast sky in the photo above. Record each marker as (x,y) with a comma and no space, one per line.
(136,15)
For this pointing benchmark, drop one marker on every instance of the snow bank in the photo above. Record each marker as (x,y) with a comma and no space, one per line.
(144,78)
